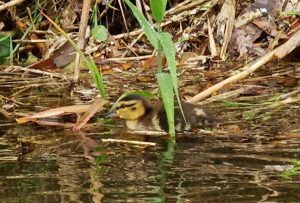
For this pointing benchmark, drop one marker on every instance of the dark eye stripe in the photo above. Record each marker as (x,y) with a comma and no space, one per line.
(125,105)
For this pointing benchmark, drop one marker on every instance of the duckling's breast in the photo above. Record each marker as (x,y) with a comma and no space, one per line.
(135,125)
(151,123)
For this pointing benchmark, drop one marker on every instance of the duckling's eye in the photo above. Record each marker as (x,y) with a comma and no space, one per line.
(133,108)
(121,106)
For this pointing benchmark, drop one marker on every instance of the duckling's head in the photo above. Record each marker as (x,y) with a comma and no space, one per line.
(132,107)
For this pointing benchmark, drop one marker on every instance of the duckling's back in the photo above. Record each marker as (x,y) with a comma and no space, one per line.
(195,117)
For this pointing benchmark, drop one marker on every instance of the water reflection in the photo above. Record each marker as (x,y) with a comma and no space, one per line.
(77,167)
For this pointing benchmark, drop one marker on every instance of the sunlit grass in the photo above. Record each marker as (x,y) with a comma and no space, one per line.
(293,171)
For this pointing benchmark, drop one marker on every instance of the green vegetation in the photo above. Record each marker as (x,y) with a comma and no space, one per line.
(167,94)
(36,17)
(100,160)
(97,75)
(163,43)
(289,13)
(5,47)
(158,8)
(99,32)
(237,104)
(295,170)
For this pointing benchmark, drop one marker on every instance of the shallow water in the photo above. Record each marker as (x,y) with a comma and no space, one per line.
(41,164)
(239,161)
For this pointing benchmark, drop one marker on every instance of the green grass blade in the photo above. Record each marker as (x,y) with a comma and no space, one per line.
(169,50)
(97,75)
(22,38)
(167,94)
(95,12)
(287,13)
(11,49)
(5,46)
(158,8)
(89,63)
(148,29)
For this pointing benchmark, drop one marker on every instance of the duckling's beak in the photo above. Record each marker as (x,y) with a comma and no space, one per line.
(112,115)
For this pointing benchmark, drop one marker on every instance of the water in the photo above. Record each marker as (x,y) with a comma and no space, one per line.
(56,165)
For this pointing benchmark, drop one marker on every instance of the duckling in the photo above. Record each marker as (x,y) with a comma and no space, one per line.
(141,114)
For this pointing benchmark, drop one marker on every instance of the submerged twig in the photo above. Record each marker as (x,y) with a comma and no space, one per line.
(95,107)
(129,142)
(290,94)
(148,133)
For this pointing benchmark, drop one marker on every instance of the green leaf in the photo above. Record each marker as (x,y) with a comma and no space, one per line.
(95,15)
(288,13)
(158,8)
(97,75)
(169,50)
(249,115)
(5,49)
(236,104)
(293,170)
(99,33)
(148,29)
(167,94)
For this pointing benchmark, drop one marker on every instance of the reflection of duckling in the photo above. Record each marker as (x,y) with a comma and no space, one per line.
(140,114)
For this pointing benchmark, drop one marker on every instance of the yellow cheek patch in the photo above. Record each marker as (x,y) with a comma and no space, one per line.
(130,110)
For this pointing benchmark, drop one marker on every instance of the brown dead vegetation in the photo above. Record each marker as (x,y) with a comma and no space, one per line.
(226,49)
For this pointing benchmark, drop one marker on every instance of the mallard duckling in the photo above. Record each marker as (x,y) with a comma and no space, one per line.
(140,114)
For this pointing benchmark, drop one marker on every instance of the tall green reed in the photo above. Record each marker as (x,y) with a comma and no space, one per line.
(162,42)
